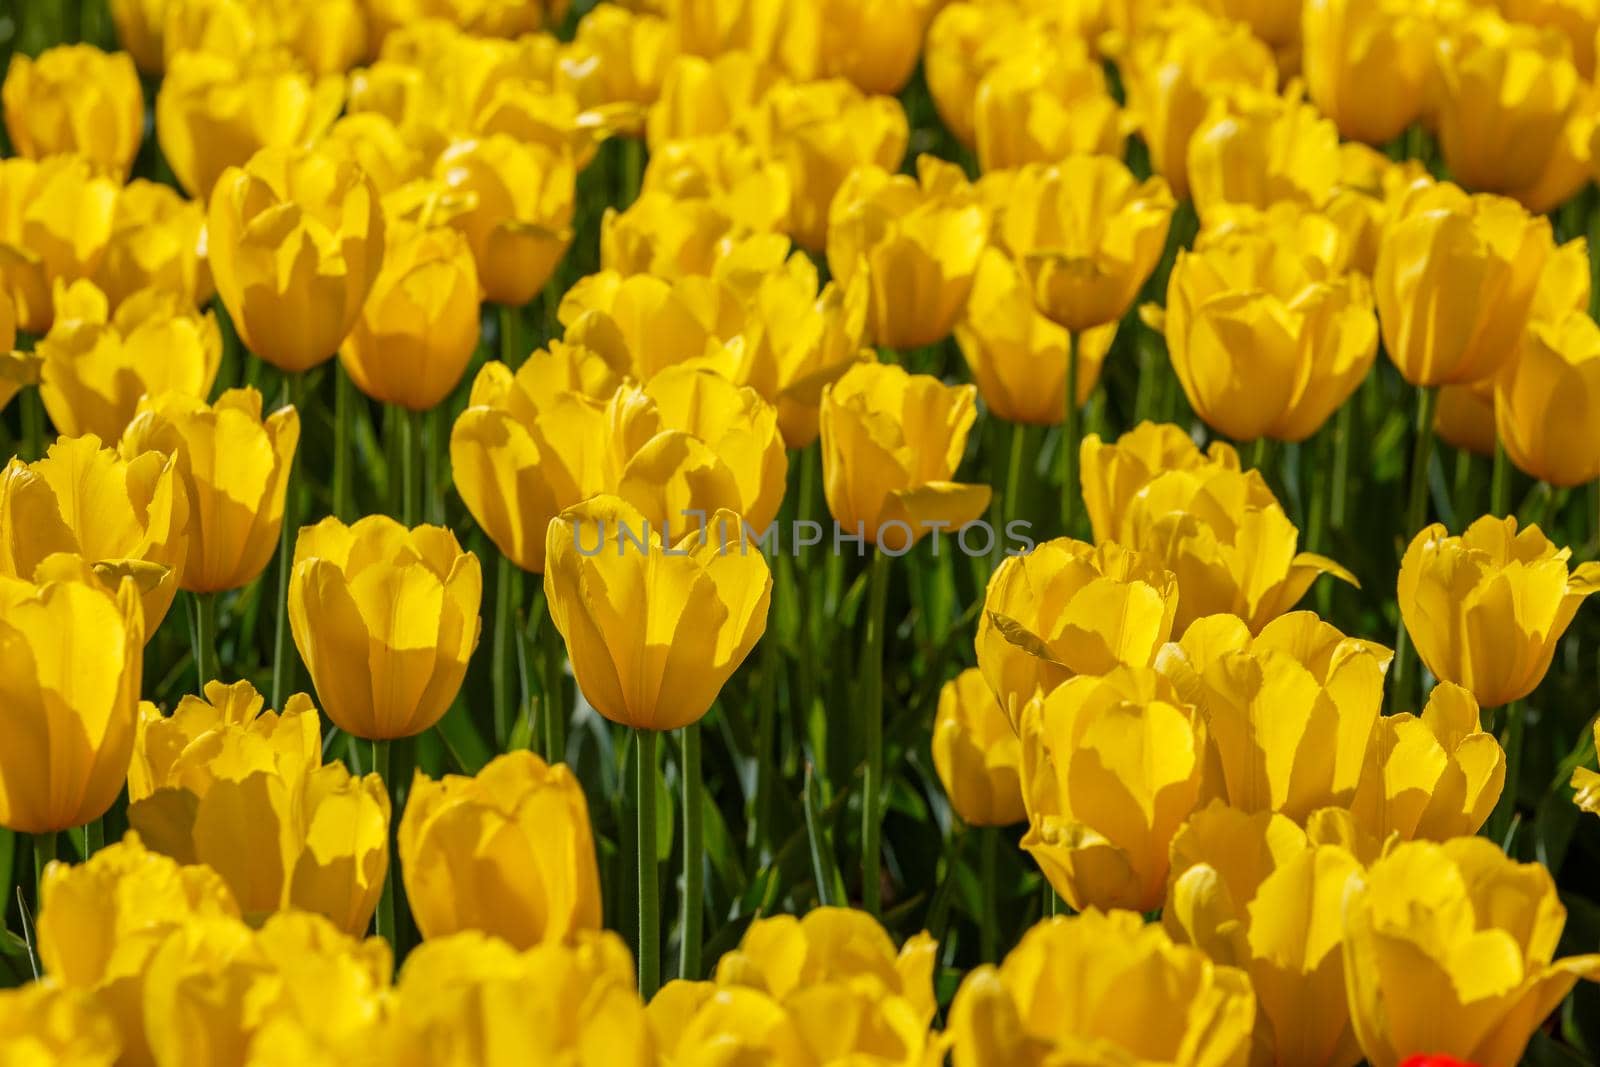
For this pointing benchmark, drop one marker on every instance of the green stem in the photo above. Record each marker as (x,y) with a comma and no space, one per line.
(872,710)
(693,857)
(1416,515)
(282,657)
(385,919)
(411,468)
(508,336)
(632,171)
(1500,487)
(44,850)
(1317,524)
(505,598)
(649,886)
(1014,468)
(552,690)
(1510,740)
(33,446)
(205,639)
(1260,454)
(988,925)
(343,410)
(1070,433)
(766,727)
(1341,464)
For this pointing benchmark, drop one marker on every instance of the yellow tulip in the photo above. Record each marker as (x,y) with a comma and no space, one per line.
(725,174)
(1587,783)
(75,100)
(617,57)
(141,25)
(875,46)
(1432,777)
(385,619)
(1266,340)
(55,221)
(155,244)
(1113,474)
(100,922)
(96,366)
(1256,149)
(1544,397)
(329,36)
(522,223)
(1086,235)
(1576,20)
(701,1024)
(231,29)
(976,753)
(235,468)
(76,650)
(891,443)
(42,1023)
(1449,949)
(1486,609)
(1465,417)
(491,18)
(419,326)
(1290,713)
(507,852)
(245,793)
(296,241)
(474,1001)
(1368,65)
(1043,105)
(393,159)
(648,652)
(1276,24)
(1455,281)
(213,112)
(819,132)
(1145,1000)
(1067,608)
(1256,892)
(662,235)
(702,97)
(83,499)
(641,324)
(964,42)
(17,369)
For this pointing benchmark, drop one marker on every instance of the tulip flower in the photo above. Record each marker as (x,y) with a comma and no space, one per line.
(140,26)
(246,794)
(419,326)
(891,443)
(83,499)
(155,244)
(1290,713)
(1543,397)
(96,366)
(641,324)
(1113,474)
(721,176)
(1172,71)
(507,852)
(55,220)
(1448,949)
(1455,281)
(1587,783)
(875,46)
(1256,892)
(17,369)
(1245,127)
(73,687)
(701,97)
(1486,609)
(491,18)
(75,100)
(918,242)
(1067,608)
(618,56)
(1465,418)
(1040,106)
(1035,1008)
(329,37)
(1276,24)
(1111,767)
(234,466)
(1431,777)
(209,115)
(522,223)
(964,42)
(662,235)
(296,242)
(1368,65)
(1266,340)
(385,619)
(231,29)
(976,753)
(819,132)
(48,1024)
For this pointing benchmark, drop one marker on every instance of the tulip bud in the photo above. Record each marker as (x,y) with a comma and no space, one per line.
(976,753)
(234,467)
(1113,474)
(891,444)
(662,235)
(156,238)
(714,27)
(1546,398)
(1456,596)
(408,599)
(228,29)
(54,225)
(329,36)
(1256,149)
(617,57)
(702,97)
(1368,65)
(607,582)
(641,324)
(965,41)
(1276,24)
(47,1024)
(875,46)
(1041,106)
(75,100)
(140,27)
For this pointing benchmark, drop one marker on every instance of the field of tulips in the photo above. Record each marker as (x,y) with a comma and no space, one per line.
(818,533)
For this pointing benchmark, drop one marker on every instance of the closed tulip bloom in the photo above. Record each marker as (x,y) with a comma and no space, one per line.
(329,37)
(1043,105)
(76,653)
(1087,236)
(213,112)
(55,220)
(1450,948)
(1256,892)
(875,46)
(245,793)
(1289,713)
(1018,358)
(1455,281)
(83,499)
(1266,340)
(699,1024)
(522,223)
(918,241)
(641,324)
(507,852)
(1114,473)
(155,244)
(43,1023)
(976,753)
(140,26)
(891,444)
(231,29)
(75,100)
(617,57)
(1543,399)
(666,236)
(296,241)
(1486,609)
(385,619)
(17,369)
(819,132)
(723,173)
(653,632)
(96,366)
(1243,128)
(234,465)
(964,42)
(1368,65)
(1067,608)
(1149,1000)
(701,97)
(1276,24)
(1465,418)
(419,327)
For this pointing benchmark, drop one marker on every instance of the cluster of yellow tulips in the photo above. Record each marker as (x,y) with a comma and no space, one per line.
(849,478)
